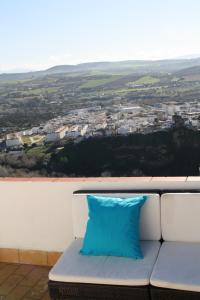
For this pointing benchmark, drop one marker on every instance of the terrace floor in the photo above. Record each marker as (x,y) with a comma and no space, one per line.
(27,282)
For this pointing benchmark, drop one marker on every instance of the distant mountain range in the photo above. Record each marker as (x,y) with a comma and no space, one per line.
(189,56)
(130,66)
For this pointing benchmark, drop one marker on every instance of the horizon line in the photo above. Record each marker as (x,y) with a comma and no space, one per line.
(24,69)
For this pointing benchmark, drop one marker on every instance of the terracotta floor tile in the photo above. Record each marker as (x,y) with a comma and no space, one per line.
(39,290)
(42,283)
(23,282)
(35,293)
(34,276)
(3,264)
(7,271)
(42,288)
(17,293)
(46,296)
(24,269)
(9,284)
(42,269)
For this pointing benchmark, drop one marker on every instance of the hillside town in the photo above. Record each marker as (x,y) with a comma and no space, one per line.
(80,124)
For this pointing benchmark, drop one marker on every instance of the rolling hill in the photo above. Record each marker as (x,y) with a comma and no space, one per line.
(128,67)
(190,74)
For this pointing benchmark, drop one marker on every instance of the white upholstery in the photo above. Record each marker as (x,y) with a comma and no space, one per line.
(178,266)
(180,217)
(73,267)
(150,215)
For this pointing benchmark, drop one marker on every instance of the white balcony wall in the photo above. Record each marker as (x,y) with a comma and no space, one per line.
(37,215)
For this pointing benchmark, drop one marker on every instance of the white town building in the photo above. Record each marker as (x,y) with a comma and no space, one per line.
(56,135)
(84,130)
(13,140)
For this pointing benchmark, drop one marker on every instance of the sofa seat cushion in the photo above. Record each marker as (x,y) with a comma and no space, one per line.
(178,266)
(73,267)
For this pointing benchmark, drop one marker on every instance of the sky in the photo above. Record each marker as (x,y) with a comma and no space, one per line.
(37,34)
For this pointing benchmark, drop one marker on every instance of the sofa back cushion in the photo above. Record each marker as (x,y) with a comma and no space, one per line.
(150,228)
(180,217)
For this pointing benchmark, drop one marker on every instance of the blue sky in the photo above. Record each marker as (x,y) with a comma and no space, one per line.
(36,34)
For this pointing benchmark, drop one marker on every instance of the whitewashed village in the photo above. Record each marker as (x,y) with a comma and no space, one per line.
(95,121)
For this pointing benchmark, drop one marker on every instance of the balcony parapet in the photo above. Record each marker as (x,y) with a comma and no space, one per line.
(36,213)
(101,179)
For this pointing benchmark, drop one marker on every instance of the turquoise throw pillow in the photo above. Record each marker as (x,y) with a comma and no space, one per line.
(113,226)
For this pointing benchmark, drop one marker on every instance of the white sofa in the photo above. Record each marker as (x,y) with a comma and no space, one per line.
(178,263)
(168,271)
(73,268)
